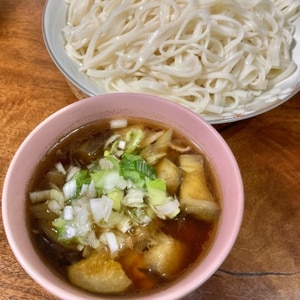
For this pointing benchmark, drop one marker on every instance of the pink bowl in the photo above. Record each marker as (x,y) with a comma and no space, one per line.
(95,108)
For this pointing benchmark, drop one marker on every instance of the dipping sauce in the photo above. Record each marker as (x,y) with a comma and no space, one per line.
(123,206)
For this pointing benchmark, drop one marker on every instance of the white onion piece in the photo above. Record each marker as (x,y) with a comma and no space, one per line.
(169,209)
(101,208)
(111,241)
(69,189)
(60,168)
(68,213)
(118,123)
(71,172)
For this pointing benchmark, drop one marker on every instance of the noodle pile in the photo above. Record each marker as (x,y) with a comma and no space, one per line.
(208,55)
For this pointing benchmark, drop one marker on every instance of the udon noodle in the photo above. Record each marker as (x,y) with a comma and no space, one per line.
(208,55)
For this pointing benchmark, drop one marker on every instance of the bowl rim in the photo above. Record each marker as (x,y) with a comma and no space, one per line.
(186,284)
(58,61)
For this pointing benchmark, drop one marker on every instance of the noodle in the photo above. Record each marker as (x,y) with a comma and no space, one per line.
(208,55)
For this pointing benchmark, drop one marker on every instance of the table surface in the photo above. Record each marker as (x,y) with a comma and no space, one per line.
(265,260)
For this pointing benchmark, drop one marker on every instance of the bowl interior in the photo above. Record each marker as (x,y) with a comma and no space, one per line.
(92,109)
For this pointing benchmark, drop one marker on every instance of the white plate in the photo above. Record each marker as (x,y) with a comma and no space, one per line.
(54,20)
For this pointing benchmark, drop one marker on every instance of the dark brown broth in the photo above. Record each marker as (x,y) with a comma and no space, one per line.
(196,234)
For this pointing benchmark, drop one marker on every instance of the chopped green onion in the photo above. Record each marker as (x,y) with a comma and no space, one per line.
(170,209)
(117,192)
(70,189)
(41,196)
(134,198)
(68,213)
(106,180)
(82,177)
(135,168)
(122,145)
(133,137)
(71,172)
(157,191)
(139,215)
(60,168)
(116,196)
(54,206)
(101,208)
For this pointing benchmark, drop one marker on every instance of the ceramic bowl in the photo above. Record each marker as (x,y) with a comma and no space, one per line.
(54,20)
(56,126)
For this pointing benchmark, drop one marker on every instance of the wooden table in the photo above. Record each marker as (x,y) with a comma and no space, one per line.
(265,261)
